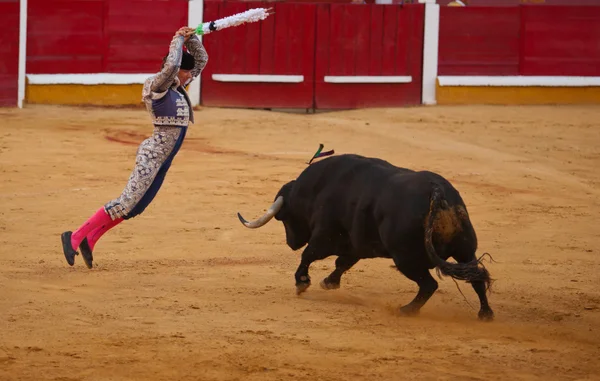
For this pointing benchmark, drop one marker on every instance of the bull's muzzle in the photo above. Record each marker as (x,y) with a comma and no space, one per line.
(276,207)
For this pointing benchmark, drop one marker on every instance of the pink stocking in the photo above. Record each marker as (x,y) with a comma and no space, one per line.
(99,219)
(95,235)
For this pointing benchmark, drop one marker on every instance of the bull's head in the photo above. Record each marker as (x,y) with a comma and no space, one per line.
(297,232)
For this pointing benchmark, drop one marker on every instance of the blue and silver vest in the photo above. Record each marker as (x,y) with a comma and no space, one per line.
(172,109)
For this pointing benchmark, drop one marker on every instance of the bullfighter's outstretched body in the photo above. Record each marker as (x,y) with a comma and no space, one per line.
(171,111)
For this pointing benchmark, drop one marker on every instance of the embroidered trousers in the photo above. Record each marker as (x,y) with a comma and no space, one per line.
(153,159)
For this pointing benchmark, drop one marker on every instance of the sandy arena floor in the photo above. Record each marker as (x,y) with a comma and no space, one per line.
(185,292)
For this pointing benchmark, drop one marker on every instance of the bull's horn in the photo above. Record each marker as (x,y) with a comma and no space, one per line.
(266,217)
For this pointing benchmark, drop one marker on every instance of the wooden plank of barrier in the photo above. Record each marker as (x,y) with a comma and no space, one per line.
(149,27)
(322,48)
(392,47)
(350,32)
(53,48)
(335,38)
(375,47)
(403,54)
(282,42)
(416,23)
(267,46)
(233,40)
(390,28)
(9,59)
(512,3)
(252,49)
(363,41)
(479,41)
(284,76)
(295,36)
(560,40)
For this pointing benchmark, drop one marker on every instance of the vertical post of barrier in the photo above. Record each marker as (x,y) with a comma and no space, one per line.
(195,15)
(430,51)
(22,52)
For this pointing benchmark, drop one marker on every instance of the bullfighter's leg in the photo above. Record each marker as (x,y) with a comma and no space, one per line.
(310,254)
(342,264)
(418,273)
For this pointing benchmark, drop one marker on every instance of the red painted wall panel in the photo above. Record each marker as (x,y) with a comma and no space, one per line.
(138,33)
(561,41)
(9,52)
(65,36)
(392,44)
(89,36)
(281,44)
(512,3)
(375,56)
(479,41)
(523,40)
(94,36)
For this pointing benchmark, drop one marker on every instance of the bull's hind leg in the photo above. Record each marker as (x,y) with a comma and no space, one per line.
(418,273)
(485,312)
(310,254)
(342,264)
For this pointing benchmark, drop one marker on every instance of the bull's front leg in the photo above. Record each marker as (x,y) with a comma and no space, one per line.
(342,264)
(310,254)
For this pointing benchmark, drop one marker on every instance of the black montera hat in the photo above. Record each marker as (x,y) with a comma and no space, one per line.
(187,61)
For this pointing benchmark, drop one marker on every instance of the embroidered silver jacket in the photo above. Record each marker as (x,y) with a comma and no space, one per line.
(165,98)
(170,108)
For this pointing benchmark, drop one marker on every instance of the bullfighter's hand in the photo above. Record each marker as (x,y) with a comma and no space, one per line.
(186,32)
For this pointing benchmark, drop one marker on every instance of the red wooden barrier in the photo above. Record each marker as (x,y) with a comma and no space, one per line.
(138,33)
(560,41)
(512,3)
(9,52)
(65,36)
(282,45)
(368,40)
(479,41)
(96,36)
(307,55)
(524,40)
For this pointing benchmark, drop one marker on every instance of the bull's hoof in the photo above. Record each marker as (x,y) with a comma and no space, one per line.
(325,285)
(486,315)
(301,287)
(408,310)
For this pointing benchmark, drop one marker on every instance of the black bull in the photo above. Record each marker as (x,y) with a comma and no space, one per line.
(356,207)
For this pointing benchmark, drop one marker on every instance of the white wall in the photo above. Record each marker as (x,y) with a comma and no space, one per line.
(195,14)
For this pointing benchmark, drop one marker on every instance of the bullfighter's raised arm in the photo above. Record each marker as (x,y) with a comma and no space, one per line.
(172,62)
(196,49)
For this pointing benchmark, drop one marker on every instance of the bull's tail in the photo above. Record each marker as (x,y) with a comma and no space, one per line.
(471,271)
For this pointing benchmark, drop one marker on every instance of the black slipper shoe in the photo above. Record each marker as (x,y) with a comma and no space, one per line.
(86,253)
(67,248)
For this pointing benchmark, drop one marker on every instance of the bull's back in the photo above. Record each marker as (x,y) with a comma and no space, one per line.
(346,172)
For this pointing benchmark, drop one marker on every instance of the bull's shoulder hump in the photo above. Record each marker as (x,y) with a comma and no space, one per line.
(350,161)
(351,166)
(433,176)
